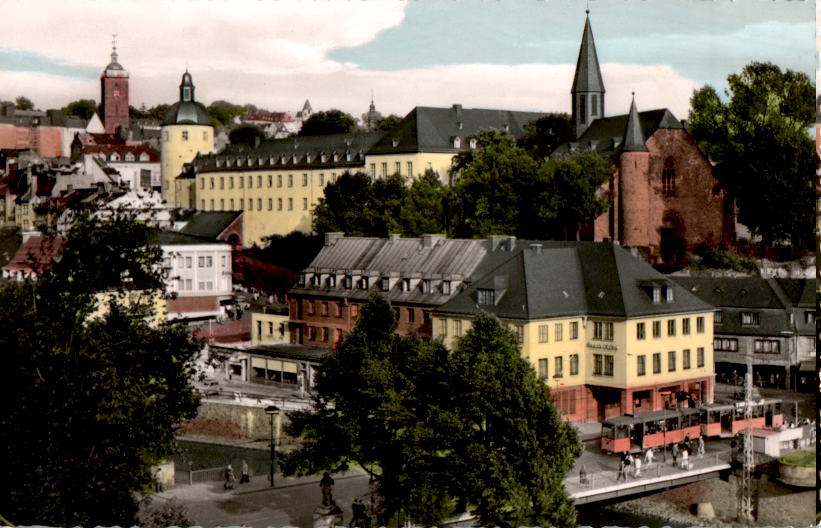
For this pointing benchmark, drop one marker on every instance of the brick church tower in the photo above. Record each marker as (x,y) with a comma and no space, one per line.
(114,95)
(635,187)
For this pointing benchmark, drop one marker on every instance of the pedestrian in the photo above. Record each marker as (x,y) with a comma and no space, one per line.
(583,481)
(637,467)
(674,451)
(685,464)
(648,456)
(621,475)
(230,479)
(358,511)
(326,485)
(700,446)
(245,478)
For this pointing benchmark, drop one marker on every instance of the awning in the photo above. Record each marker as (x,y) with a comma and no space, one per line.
(808,365)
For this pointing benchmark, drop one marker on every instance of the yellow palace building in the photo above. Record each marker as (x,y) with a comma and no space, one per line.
(605,331)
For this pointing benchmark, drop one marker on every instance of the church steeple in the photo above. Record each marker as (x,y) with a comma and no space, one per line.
(633,140)
(588,88)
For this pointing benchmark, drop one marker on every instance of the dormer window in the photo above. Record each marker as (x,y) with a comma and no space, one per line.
(668,294)
(302,280)
(395,142)
(143,157)
(426,286)
(316,280)
(486,296)
(364,283)
(219,163)
(115,157)
(129,156)
(323,157)
(406,285)
(473,143)
(348,156)
(385,284)
(656,294)
(332,281)
(348,282)
(336,156)
(446,287)
(457,142)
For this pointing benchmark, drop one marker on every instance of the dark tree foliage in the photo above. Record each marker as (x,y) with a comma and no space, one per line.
(346,206)
(423,211)
(23,103)
(82,108)
(388,198)
(223,112)
(543,135)
(488,189)
(762,149)
(249,135)
(439,430)
(97,394)
(387,123)
(293,251)
(328,122)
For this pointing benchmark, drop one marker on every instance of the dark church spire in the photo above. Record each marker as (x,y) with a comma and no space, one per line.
(588,87)
(633,140)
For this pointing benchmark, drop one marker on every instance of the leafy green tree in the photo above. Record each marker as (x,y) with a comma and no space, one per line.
(345,206)
(386,206)
(543,135)
(23,103)
(82,108)
(762,149)
(488,188)
(423,210)
(250,135)
(439,431)
(97,395)
(293,251)
(328,122)
(157,112)
(223,112)
(387,123)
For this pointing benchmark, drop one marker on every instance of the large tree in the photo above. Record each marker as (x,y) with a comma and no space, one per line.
(346,206)
(97,393)
(23,103)
(328,122)
(424,208)
(758,138)
(82,108)
(543,135)
(440,431)
(249,135)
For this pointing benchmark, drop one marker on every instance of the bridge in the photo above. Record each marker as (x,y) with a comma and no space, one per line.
(602,485)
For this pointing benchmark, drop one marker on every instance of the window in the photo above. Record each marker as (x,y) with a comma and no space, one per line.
(425,285)
(290,204)
(270,180)
(279,180)
(603,331)
(364,283)
(222,204)
(809,317)
(354,311)
(602,365)
(201,262)
(457,328)
(347,282)
(574,364)
(323,308)
(201,285)
(725,344)
(259,204)
(410,168)
(700,357)
(373,170)
(290,180)
(750,318)
(185,135)
(325,333)
(640,331)
(486,296)
(202,183)
(656,329)
(656,294)
(446,287)
(543,331)
(594,105)
(231,203)
(250,204)
(559,329)
(304,204)
(385,284)
(641,367)
(608,365)
(700,324)
(443,327)
(543,369)
(685,359)
(212,183)
(519,330)
(574,330)
(582,108)
(668,177)
(384,170)
(405,285)
(188,261)
(321,179)
(671,327)
(398,168)
(558,363)
(766,346)
(685,326)
(189,284)
(412,319)
(671,361)
(279,204)
(270,203)
(304,180)
(224,261)
(338,309)
(668,294)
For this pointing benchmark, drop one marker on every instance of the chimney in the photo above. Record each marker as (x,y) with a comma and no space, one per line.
(458,109)
(429,241)
(537,248)
(331,238)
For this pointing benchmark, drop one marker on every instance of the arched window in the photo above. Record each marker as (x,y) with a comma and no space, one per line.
(668,177)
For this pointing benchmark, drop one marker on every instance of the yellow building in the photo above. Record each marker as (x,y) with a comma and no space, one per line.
(269,328)
(605,331)
(277,184)
(186,131)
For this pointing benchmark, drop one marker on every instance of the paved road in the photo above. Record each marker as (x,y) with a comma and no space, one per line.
(258,506)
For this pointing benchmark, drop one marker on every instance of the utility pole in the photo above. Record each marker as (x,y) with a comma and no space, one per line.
(745,488)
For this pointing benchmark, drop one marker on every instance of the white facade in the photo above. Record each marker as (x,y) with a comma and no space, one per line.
(198,270)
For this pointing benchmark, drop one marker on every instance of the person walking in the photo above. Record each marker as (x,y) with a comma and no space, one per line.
(583,480)
(700,446)
(674,451)
(648,456)
(230,479)
(621,475)
(245,478)
(685,463)
(637,467)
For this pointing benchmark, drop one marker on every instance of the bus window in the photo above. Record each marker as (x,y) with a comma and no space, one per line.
(607,431)
(714,417)
(621,432)
(671,424)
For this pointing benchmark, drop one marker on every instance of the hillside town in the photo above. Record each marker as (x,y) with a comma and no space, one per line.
(657,306)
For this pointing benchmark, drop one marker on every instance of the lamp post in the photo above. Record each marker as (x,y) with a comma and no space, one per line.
(272,411)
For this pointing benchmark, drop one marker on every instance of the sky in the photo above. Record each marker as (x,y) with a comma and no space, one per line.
(508,54)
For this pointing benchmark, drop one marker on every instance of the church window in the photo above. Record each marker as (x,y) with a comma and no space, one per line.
(582,109)
(594,105)
(185,135)
(668,177)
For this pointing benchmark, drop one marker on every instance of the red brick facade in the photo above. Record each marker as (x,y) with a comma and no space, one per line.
(667,201)
(114,95)
(46,141)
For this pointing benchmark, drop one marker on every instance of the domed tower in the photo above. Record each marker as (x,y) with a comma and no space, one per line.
(186,131)
(587,92)
(634,186)
(114,94)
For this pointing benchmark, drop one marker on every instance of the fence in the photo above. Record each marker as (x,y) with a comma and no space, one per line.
(187,476)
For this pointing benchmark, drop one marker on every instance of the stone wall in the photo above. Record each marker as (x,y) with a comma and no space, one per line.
(251,420)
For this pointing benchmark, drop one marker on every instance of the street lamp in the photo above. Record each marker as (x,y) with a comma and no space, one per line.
(272,411)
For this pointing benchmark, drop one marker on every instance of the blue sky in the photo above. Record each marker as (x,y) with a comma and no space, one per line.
(516,54)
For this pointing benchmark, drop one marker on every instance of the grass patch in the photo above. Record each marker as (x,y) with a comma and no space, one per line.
(799,458)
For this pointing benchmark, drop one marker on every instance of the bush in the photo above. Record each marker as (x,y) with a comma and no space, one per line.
(799,458)
(708,258)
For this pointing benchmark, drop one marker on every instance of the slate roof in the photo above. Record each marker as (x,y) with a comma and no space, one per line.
(573,278)
(633,140)
(187,113)
(36,254)
(606,134)
(428,129)
(293,153)
(799,292)
(175,238)
(209,224)
(588,76)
